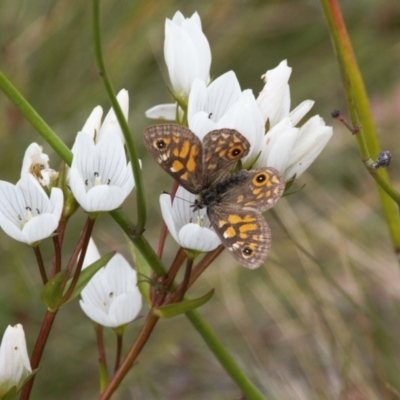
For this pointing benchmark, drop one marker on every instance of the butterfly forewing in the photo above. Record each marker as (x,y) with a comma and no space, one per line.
(222,149)
(178,151)
(245,234)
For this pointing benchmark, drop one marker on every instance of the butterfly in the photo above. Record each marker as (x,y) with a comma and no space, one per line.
(234,202)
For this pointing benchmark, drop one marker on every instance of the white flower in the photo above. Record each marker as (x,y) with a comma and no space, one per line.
(289,149)
(188,57)
(37,163)
(112,298)
(100,178)
(191,229)
(27,214)
(223,105)
(187,52)
(97,130)
(14,361)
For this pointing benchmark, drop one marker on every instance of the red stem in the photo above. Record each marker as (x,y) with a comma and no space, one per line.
(39,260)
(38,350)
(100,345)
(141,340)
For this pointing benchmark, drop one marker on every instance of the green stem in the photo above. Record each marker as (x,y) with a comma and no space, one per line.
(35,119)
(360,112)
(130,144)
(228,363)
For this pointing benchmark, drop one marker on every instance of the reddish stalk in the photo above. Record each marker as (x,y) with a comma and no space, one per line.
(38,351)
(39,260)
(141,340)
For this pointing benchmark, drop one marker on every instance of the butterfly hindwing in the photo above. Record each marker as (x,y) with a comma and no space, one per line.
(245,234)
(259,189)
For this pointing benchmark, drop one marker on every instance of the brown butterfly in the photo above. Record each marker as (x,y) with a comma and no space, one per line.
(234,202)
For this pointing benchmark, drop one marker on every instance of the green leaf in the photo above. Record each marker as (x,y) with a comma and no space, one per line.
(172,310)
(87,274)
(53,291)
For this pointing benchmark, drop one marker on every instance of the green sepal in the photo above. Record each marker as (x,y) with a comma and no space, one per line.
(11,394)
(87,274)
(14,390)
(70,204)
(144,273)
(52,292)
(172,310)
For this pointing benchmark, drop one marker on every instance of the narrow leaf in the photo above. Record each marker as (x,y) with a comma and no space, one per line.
(172,310)
(53,290)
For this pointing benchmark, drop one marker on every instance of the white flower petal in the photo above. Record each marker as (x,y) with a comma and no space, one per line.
(103,198)
(270,139)
(12,202)
(313,137)
(95,314)
(120,275)
(274,99)
(93,123)
(246,118)
(40,227)
(197,98)
(280,154)
(84,151)
(77,186)
(92,254)
(56,202)
(195,237)
(222,94)
(11,229)
(166,210)
(110,123)
(200,124)
(125,308)
(165,112)
(300,111)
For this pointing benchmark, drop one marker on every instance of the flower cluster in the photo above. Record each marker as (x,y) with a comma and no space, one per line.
(284,145)
(100,179)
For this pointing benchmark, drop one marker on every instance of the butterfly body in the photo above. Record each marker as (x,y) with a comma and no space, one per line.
(234,202)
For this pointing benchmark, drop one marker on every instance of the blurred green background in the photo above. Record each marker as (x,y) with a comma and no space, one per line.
(317,324)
